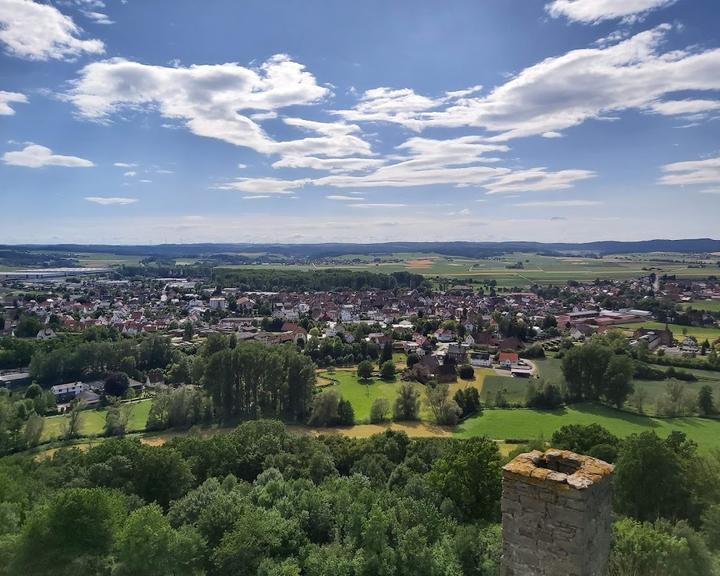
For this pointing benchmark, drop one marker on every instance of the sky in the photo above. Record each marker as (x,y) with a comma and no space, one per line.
(178,121)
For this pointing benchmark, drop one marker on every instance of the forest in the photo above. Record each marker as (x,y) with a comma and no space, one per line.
(260,500)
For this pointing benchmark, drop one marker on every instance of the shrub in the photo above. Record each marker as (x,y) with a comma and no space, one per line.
(466,372)
(387,370)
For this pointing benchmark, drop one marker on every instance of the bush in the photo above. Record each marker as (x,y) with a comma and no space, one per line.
(466,372)
(329,409)
(380,410)
(534,351)
(469,401)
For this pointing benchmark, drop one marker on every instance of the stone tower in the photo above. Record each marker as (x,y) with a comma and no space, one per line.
(556,515)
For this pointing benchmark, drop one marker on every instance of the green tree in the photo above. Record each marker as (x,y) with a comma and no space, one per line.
(445,410)
(387,370)
(468,473)
(147,546)
(617,385)
(644,456)
(407,403)
(380,410)
(73,534)
(706,406)
(365,370)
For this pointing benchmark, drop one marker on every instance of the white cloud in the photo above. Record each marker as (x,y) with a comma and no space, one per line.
(594,11)
(564,91)
(7,98)
(145,181)
(710,191)
(552,134)
(36,156)
(110,201)
(130,173)
(692,172)
(378,205)
(98,17)
(264,185)
(537,180)
(685,107)
(559,203)
(210,99)
(342,198)
(37,31)
(256,197)
(125,164)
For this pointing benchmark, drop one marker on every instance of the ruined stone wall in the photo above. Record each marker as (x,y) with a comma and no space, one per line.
(556,515)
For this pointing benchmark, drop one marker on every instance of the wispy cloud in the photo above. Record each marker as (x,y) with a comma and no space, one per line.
(7,98)
(110,200)
(342,198)
(559,203)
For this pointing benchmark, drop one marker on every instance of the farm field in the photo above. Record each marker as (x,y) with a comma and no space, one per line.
(92,422)
(535,268)
(525,423)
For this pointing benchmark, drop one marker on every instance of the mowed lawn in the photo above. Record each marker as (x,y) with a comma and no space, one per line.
(524,423)
(513,389)
(361,394)
(92,422)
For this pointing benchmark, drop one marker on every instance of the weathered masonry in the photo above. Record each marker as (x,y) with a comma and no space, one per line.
(556,514)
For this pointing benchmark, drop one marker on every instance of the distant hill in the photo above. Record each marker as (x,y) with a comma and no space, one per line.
(469,249)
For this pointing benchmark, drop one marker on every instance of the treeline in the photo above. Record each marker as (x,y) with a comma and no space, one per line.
(254,380)
(298,280)
(261,501)
(72,361)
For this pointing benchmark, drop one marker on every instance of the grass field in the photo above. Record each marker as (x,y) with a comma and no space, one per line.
(551,370)
(706,305)
(92,422)
(701,333)
(361,394)
(528,424)
(514,389)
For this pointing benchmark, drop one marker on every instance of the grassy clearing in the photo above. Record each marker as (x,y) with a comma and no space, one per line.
(527,423)
(361,394)
(92,422)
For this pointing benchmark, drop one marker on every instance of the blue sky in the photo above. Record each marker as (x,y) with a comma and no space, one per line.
(138,121)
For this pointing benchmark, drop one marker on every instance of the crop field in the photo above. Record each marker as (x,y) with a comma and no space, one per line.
(506,270)
(525,423)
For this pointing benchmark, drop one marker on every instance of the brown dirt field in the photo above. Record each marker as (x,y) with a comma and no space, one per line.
(416,264)
(412,429)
